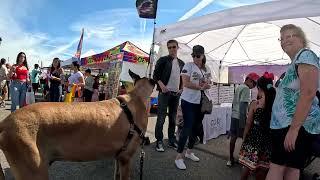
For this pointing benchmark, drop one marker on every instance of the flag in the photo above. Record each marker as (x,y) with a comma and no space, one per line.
(78,53)
(147,8)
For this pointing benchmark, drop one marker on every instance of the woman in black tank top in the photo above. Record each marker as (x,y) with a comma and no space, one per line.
(56,78)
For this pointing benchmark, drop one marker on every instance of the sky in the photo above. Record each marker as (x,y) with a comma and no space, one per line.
(45,29)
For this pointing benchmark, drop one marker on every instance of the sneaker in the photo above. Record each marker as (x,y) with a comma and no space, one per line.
(180,164)
(230,163)
(159,147)
(173,145)
(192,157)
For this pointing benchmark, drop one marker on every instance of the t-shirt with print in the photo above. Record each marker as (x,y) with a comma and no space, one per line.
(192,70)
(3,72)
(3,75)
(174,80)
(74,79)
(35,75)
(288,93)
(89,81)
(242,94)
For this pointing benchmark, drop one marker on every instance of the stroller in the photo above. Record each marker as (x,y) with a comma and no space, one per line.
(314,154)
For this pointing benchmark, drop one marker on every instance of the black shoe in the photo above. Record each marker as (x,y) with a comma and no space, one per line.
(146,141)
(173,145)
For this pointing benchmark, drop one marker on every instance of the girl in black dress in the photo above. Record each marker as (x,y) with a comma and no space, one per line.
(256,148)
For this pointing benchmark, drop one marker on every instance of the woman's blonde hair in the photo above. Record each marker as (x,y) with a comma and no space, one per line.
(298,32)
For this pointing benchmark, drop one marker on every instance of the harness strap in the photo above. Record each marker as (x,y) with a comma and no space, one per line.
(133,127)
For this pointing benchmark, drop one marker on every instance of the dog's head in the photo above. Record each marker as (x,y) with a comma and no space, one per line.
(137,78)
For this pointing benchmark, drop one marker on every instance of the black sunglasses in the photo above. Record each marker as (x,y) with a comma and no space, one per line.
(197,56)
(172,47)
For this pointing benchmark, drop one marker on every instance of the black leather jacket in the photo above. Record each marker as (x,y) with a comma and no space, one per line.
(162,70)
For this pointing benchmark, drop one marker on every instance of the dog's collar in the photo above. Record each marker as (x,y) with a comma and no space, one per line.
(133,126)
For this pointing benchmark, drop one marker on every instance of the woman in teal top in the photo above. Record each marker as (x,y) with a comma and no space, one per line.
(295,113)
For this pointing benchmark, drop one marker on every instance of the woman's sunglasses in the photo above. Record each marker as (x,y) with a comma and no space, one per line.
(196,56)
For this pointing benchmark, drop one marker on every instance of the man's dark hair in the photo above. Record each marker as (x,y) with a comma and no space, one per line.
(172,41)
(36,66)
(88,71)
(3,61)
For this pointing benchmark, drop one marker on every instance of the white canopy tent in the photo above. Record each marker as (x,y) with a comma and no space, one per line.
(246,35)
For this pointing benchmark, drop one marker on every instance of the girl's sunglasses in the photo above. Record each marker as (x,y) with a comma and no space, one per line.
(196,56)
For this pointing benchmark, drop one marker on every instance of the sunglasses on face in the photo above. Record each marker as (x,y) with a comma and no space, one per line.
(172,47)
(196,56)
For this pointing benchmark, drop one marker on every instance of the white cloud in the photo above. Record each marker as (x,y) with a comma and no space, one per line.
(38,46)
(103,30)
(108,28)
(202,4)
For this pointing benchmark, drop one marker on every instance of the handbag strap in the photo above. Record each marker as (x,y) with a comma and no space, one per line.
(202,91)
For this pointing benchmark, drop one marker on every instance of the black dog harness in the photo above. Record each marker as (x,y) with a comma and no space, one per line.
(133,127)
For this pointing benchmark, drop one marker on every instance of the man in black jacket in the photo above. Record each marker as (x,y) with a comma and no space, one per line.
(167,75)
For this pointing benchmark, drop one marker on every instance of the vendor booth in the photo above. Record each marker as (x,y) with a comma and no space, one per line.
(242,36)
(115,63)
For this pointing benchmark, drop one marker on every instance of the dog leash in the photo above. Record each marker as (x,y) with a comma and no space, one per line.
(133,127)
(142,155)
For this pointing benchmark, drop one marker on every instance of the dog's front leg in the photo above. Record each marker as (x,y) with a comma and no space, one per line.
(116,170)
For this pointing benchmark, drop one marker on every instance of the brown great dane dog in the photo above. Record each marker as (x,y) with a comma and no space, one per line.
(37,135)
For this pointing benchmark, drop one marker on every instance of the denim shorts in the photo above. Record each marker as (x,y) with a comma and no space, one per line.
(235,130)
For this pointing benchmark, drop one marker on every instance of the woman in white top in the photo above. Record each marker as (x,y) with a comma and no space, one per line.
(76,79)
(196,77)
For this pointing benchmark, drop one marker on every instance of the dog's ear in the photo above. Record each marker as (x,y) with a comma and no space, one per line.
(134,76)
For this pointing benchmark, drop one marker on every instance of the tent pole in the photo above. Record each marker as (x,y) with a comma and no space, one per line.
(151,55)
(220,64)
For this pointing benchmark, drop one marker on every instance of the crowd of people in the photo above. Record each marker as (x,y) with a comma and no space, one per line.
(277,128)
(54,83)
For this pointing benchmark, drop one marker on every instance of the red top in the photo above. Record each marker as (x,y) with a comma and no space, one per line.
(21,74)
